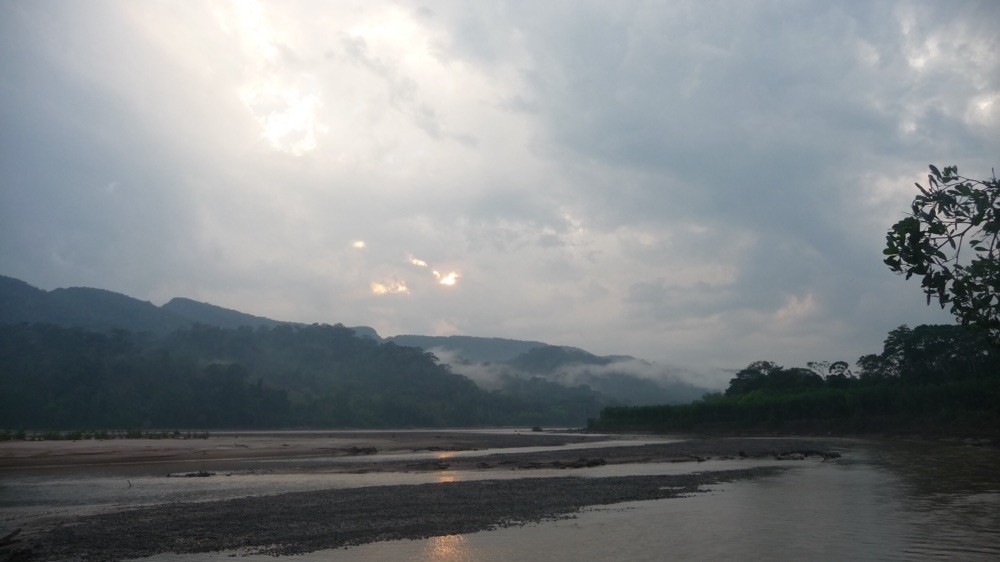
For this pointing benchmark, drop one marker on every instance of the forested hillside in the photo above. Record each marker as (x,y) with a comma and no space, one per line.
(316,376)
(285,376)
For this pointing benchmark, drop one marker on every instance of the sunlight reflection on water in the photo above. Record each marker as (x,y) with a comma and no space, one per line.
(449,548)
(826,511)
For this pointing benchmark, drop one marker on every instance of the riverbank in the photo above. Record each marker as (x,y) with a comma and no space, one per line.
(295,522)
(927,430)
(964,407)
(223,448)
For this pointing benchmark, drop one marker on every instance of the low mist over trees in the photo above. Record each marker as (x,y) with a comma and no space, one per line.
(498,363)
(929,378)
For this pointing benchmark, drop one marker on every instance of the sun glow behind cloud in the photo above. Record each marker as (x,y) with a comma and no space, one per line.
(449,279)
(285,104)
(390,288)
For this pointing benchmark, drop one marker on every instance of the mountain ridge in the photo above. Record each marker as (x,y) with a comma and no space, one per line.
(488,360)
(214,315)
(477,349)
(103,310)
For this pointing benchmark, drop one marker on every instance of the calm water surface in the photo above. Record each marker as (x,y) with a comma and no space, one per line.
(884,500)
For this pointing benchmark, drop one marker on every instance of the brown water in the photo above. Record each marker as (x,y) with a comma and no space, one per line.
(881,501)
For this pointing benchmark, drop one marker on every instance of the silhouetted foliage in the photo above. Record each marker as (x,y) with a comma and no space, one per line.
(950,240)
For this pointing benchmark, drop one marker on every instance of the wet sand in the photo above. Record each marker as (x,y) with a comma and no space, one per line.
(221,448)
(298,522)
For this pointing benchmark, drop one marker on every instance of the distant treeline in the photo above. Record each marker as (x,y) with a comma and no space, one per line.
(282,376)
(933,379)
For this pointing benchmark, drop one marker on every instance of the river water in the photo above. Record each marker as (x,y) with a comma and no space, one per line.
(883,500)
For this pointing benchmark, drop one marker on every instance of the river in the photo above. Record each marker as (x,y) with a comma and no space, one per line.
(882,500)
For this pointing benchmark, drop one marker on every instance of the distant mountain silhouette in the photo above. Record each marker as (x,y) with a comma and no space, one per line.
(550,358)
(103,310)
(212,315)
(20,302)
(470,348)
(81,307)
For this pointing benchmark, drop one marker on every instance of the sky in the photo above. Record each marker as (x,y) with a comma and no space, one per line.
(702,184)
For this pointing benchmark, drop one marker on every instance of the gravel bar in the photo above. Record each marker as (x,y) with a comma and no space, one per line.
(300,522)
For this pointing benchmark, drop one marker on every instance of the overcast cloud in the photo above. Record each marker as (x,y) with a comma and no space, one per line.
(702,184)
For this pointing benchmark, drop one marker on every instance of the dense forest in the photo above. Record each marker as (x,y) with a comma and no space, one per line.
(932,379)
(84,357)
(281,376)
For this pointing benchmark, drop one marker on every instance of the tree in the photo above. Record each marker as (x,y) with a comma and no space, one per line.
(837,374)
(938,353)
(950,239)
(874,368)
(751,378)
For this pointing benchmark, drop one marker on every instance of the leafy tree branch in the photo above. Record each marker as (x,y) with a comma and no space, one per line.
(950,240)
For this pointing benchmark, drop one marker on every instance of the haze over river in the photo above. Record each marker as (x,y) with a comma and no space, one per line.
(881,500)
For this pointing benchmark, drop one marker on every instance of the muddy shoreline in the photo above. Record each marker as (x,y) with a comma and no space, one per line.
(297,522)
